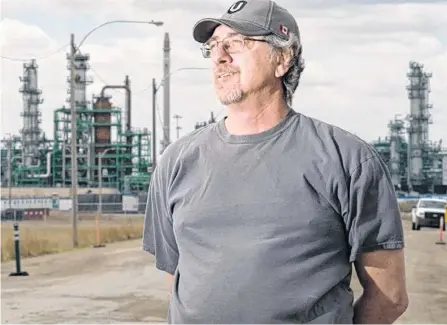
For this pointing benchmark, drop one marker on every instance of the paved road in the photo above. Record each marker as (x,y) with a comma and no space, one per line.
(119,284)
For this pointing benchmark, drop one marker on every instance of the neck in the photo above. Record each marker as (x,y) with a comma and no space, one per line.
(256,113)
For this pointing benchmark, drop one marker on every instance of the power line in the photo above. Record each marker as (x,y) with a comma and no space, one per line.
(33,57)
(104,82)
(171,73)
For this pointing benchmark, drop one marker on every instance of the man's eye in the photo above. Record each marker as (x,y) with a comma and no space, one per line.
(235,43)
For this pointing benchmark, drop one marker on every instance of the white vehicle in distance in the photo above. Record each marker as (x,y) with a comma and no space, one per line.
(428,213)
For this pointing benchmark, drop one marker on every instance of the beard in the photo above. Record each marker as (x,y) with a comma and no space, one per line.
(234,95)
(228,90)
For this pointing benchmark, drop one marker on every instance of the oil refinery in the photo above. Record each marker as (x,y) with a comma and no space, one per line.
(416,164)
(105,132)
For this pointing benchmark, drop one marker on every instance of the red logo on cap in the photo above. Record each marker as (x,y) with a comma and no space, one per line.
(283,29)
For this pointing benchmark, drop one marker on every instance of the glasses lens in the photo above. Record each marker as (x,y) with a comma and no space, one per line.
(206,52)
(234,44)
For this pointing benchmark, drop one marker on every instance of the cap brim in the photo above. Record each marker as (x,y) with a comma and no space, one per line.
(204,28)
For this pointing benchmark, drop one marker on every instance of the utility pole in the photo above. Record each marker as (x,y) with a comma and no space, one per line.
(10,173)
(74,161)
(154,125)
(177,117)
(166,93)
(165,83)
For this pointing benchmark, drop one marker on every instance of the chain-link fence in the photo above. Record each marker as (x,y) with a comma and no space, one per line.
(35,208)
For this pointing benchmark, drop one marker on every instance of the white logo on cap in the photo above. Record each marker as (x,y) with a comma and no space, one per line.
(237,6)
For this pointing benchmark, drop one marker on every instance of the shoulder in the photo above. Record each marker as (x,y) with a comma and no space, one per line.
(175,153)
(339,144)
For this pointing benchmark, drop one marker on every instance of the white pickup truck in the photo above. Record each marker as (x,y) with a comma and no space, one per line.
(428,213)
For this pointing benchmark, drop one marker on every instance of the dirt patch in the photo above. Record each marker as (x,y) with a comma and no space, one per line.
(120,284)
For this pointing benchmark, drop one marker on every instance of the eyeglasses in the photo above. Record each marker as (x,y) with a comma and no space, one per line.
(231,44)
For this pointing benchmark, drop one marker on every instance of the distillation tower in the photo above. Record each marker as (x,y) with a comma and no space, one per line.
(83,136)
(419,120)
(397,141)
(28,154)
(104,139)
(414,162)
(31,114)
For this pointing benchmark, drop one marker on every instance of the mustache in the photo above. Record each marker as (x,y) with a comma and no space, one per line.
(221,71)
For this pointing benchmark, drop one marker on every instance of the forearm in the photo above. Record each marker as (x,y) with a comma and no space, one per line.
(377,309)
(170,279)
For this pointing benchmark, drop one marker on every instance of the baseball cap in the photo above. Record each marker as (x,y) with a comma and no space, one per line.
(250,18)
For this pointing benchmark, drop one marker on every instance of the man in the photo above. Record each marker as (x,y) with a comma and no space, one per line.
(259,217)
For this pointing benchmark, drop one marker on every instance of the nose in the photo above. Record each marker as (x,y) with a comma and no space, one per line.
(221,56)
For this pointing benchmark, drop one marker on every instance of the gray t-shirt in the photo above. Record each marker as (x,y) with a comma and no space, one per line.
(263,228)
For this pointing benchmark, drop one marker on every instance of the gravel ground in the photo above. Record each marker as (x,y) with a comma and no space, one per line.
(119,284)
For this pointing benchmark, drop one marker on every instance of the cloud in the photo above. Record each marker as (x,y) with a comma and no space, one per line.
(20,39)
(356,54)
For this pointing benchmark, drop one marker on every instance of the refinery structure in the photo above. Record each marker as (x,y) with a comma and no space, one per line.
(109,150)
(416,164)
(112,153)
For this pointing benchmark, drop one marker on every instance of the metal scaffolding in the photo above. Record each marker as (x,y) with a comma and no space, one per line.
(31,114)
(415,163)
(103,131)
(419,119)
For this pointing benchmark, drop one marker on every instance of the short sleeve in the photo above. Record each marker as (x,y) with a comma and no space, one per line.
(158,234)
(373,218)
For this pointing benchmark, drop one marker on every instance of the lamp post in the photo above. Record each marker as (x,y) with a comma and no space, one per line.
(155,89)
(74,163)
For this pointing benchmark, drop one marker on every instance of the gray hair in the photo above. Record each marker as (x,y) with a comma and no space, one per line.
(291,79)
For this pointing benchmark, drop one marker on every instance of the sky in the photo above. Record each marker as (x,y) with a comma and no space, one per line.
(357,55)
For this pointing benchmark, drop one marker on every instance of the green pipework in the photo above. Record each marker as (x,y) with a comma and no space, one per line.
(124,162)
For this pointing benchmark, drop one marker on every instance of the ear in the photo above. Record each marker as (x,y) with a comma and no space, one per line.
(283,62)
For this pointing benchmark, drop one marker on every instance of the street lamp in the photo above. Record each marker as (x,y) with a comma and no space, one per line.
(152,22)
(155,89)
(74,163)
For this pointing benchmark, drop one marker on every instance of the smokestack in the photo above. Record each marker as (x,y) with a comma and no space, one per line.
(128,118)
(128,113)
(166,94)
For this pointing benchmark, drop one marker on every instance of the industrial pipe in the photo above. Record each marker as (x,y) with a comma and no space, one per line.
(48,168)
(128,108)
(30,166)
